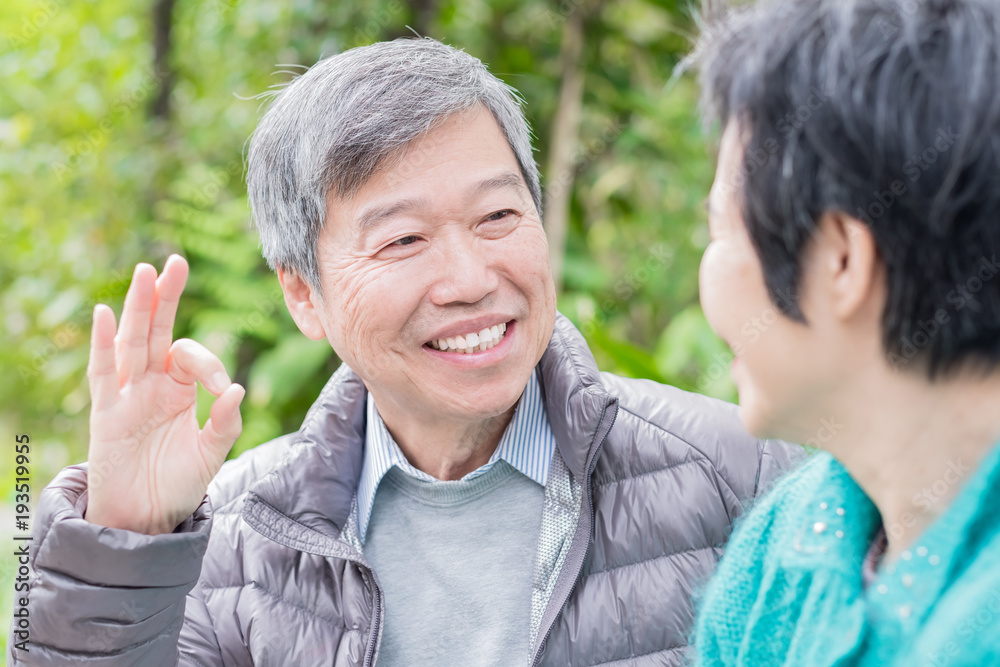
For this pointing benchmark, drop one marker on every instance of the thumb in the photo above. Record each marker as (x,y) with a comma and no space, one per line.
(224,424)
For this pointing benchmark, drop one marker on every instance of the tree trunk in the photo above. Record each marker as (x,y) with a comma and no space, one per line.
(163,19)
(423,12)
(560,170)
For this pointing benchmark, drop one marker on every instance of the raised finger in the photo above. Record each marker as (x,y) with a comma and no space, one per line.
(189,360)
(102,373)
(167,294)
(132,341)
(224,423)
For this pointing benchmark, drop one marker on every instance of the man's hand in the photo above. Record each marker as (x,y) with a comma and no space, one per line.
(149,464)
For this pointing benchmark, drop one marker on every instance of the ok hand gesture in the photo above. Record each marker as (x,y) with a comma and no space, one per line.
(149,463)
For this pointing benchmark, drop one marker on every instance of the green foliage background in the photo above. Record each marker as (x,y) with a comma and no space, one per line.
(91,183)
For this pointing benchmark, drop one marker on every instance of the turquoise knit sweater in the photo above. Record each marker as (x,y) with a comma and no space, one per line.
(789,590)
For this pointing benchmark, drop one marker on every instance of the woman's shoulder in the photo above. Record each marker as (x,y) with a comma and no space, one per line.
(963,627)
(815,516)
(792,562)
(796,497)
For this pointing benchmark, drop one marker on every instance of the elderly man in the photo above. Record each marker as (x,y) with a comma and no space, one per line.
(467,489)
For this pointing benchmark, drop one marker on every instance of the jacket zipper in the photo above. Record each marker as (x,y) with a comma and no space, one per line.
(590,502)
(376,619)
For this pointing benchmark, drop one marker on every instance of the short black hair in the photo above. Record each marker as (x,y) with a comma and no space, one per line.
(888,111)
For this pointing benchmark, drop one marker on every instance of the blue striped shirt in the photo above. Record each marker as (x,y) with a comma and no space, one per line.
(527,445)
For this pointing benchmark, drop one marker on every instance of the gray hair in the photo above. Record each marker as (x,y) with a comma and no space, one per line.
(332,127)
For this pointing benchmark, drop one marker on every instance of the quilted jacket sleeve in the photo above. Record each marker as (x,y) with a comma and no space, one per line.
(777,458)
(105,596)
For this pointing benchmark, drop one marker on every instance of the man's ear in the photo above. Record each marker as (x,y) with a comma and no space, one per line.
(301,301)
(848,257)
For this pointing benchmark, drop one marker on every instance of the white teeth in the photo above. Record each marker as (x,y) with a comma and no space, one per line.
(473,342)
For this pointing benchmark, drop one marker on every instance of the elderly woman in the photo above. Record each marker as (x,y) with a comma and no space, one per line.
(856,211)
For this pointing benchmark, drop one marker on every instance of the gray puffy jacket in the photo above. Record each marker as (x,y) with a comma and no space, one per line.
(259,574)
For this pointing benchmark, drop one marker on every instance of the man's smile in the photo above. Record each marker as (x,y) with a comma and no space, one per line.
(471,342)
(475,350)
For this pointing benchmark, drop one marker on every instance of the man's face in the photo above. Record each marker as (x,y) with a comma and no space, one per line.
(442,244)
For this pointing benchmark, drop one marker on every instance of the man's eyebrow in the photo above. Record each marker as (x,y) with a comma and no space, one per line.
(372,216)
(508,179)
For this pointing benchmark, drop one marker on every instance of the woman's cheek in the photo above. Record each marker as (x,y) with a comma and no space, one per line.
(711,283)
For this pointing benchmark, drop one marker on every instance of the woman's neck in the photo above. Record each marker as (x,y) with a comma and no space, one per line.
(912,444)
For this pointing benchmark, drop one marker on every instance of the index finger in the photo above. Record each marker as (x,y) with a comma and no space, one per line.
(169,287)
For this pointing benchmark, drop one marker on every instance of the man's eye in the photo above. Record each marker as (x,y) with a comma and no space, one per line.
(406,240)
(500,215)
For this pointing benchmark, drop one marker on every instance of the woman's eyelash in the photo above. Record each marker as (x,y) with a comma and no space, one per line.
(505,212)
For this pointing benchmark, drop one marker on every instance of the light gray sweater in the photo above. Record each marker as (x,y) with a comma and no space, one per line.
(458,546)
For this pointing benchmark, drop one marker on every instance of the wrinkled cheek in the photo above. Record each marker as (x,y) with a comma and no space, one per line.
(358,324)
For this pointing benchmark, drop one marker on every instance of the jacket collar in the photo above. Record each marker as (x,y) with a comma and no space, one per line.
(315,484)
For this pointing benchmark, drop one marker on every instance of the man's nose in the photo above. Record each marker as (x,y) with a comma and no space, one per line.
(466,274)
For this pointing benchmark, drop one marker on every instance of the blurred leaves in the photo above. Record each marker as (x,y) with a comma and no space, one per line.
(90,184)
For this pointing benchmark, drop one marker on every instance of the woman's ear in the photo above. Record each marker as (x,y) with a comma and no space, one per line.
(849,264)
(301,300)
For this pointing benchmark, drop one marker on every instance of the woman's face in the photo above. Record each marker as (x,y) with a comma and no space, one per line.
(784,370)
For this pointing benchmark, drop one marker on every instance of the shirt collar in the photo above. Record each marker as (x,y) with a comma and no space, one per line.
(527,445)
